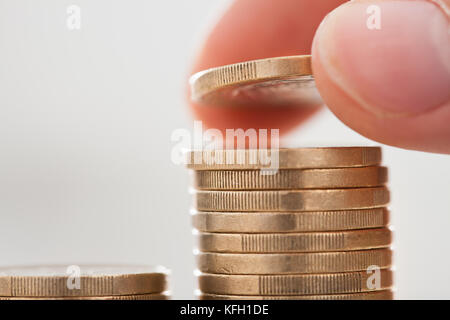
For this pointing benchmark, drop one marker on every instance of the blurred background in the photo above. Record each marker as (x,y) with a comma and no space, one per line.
(86,118)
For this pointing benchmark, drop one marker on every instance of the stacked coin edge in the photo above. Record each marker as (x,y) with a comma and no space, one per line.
(84,282)
(309,231)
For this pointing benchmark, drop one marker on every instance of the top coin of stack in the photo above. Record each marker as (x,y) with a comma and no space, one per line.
(271,82)
(83,283)
(316,229)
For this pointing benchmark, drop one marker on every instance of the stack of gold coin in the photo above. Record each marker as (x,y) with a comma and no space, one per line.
(83,283)
(316,228)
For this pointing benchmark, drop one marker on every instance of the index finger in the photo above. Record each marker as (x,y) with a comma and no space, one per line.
(255,29)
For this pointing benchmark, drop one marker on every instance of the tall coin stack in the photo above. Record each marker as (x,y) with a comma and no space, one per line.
(83,283)
(315,229)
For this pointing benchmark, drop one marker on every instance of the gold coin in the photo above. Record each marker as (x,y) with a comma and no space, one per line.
(375,295)
(272,82)
(83,281)
(307,284)
(290,179)
(292,200)
(265,222)
(294,242)
(149,296)
(292,263)
(296,158)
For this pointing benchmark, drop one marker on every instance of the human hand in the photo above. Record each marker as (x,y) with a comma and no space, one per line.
(390,82)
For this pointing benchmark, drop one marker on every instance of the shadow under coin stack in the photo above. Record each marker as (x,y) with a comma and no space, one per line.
(83,283)
(316,229)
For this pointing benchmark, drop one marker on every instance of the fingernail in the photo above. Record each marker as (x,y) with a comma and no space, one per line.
(392,57)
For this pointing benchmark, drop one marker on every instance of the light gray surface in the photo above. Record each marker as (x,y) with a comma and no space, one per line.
(85,124)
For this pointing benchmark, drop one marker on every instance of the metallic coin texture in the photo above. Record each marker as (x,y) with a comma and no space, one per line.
(376,295)
(292,200)
(60,281)
(295,158)
(294,242)
(149,296)
(290,179)
(306,284)
(293,263)
(270,222)
(271,82)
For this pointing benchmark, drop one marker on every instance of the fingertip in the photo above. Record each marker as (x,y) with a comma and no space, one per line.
(255,29)
(389,84)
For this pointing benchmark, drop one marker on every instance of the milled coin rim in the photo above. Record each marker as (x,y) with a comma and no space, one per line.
(292,200)
(297,284)
(286,179)
(277,68)
(149,296)
(288,222)
(287,158)
(375,295)
(98,283)
(293,263)
(348,240)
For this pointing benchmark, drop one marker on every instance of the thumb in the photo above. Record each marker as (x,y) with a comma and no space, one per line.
(383,68)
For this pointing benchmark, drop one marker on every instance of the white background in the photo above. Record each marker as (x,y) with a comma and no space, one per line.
(85,124)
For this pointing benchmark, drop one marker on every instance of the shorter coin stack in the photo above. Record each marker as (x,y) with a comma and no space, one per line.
(83,283)
(315,229)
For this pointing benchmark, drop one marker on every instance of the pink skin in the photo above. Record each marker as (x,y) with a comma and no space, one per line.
(392,84)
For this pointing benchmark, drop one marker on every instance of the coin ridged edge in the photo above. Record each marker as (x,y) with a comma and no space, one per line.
(373,176)
(268,222)
(376,295)
(96,285)
(295,242)
(291,263)
(207,81)
(150,296)
(294,158)
(292,200)
(307,284)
